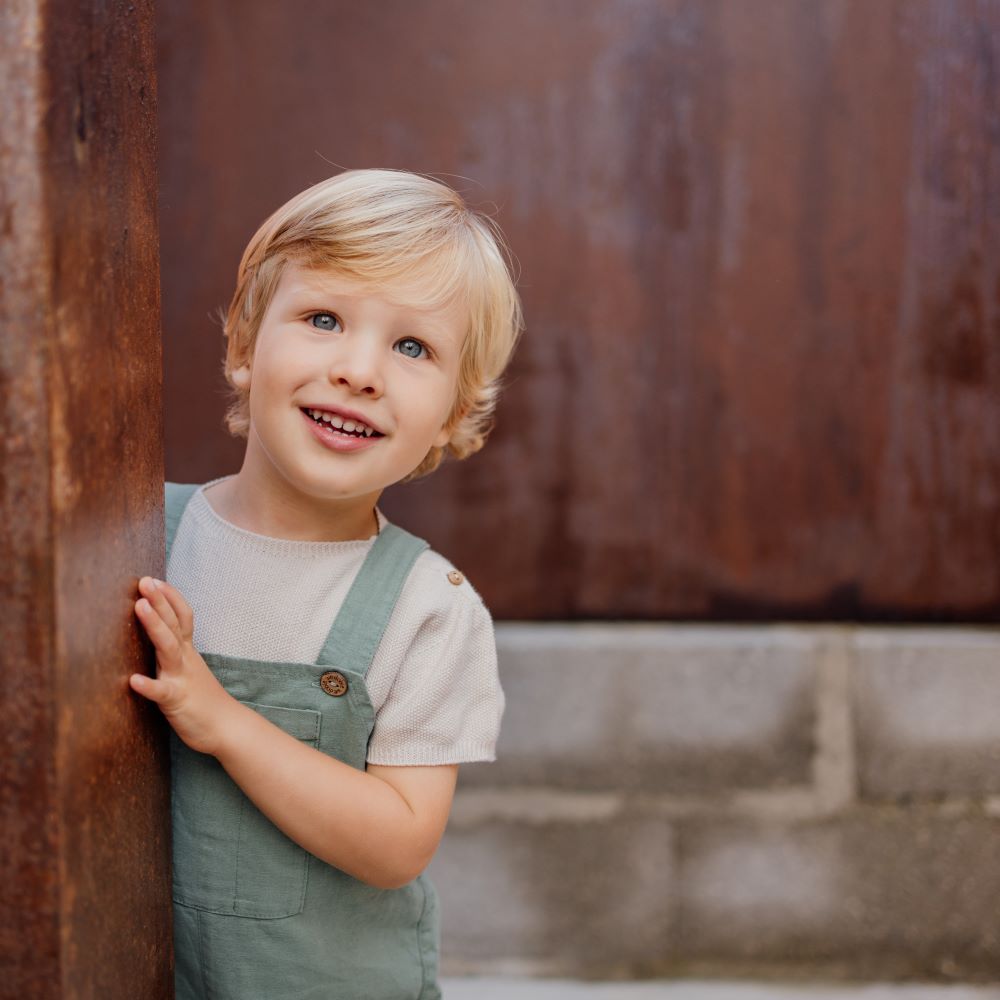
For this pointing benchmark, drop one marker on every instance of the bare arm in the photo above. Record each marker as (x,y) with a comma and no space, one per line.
(381,825)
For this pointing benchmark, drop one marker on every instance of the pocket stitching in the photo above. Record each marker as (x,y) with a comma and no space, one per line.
(253,908)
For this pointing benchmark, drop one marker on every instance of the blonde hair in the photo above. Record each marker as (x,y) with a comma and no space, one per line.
(399,230)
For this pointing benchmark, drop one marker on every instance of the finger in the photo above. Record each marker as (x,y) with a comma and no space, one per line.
(180,607)
(152,590)
(162,636)
(154,690)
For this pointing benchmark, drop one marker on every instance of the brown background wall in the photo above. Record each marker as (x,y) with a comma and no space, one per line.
(760,259)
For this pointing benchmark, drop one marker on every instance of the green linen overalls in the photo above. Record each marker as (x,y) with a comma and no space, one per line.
(256,917)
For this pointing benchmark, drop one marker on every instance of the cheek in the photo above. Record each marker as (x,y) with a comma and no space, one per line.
(275,369)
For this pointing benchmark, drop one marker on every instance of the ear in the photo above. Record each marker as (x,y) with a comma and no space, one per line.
(444,435)
(241,376)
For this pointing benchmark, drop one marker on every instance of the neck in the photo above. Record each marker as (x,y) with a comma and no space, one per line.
(271,507)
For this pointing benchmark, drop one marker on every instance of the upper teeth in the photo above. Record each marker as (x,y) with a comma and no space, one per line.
(340,423)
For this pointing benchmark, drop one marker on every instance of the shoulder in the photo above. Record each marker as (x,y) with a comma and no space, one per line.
(438,599)
(176,497)
(440,583)
(173,491)
(169,487)
(435,678)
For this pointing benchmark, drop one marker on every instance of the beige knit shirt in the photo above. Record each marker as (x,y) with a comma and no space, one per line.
(433,682)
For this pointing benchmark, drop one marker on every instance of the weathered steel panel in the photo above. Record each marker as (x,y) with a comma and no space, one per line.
(84,811)
(760,257)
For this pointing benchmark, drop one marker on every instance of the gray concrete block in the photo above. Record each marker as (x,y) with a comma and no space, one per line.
(573,896)
(656,708)
(927,711)
(880,889)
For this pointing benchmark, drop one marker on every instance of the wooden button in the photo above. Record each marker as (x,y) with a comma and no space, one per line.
(334,682)
(455,577)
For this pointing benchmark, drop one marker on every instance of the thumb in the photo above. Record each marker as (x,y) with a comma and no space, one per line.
(149,688)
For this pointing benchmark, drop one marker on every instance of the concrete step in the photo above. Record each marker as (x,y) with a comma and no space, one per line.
(497,988)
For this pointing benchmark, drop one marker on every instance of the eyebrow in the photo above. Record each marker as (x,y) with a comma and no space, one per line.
(309,290)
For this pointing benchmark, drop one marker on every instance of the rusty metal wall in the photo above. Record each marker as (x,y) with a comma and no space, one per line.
(760,257)
(84,812)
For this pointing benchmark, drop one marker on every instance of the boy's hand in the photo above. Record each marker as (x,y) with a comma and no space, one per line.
(187,692)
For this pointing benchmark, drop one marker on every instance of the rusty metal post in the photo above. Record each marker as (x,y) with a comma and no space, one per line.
(84,790)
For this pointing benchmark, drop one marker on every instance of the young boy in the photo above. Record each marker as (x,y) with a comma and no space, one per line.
(323,671)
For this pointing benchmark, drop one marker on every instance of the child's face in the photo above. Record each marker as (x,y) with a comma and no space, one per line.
(329,343)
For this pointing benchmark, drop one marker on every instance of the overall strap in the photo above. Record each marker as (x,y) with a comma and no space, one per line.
(176,496)
(358,627)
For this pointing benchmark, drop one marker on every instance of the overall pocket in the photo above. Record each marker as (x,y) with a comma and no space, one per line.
(228,856)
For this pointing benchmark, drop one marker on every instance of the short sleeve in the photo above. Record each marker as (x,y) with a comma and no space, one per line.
(445,703)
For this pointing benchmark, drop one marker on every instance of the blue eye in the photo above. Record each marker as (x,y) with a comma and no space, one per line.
(324,321)
(407,345)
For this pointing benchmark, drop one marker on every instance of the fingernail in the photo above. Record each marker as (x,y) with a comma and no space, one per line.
(156,583)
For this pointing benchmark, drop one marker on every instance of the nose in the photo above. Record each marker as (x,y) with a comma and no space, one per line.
(356,368)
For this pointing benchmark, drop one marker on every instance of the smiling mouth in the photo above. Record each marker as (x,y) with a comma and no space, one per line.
(349,428)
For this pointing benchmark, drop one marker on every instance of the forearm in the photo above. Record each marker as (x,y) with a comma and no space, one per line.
(348,818)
